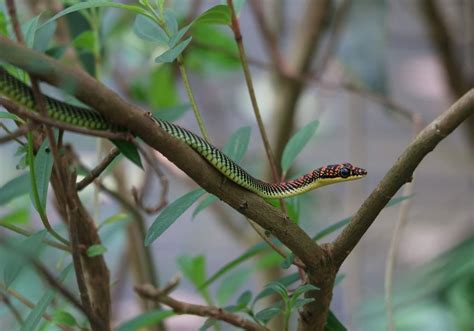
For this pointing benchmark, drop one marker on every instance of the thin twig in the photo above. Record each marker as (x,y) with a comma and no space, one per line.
(18,110)
(153,162)
(401,173)
(6,300)
(189,91)
(30,305)
(25,233)
(94,173)
(392,253)
(277,249)
(251,90)
(54,283)
(21,131)
(180,307)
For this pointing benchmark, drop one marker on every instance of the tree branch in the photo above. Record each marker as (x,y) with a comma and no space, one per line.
(120,112)
(94,173)
(180,307)
(400,173)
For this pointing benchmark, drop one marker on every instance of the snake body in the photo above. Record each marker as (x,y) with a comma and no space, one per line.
(22,94)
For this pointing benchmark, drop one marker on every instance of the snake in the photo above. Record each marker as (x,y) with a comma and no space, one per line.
(22,94)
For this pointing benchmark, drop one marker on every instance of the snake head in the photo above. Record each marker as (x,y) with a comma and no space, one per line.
(339,172)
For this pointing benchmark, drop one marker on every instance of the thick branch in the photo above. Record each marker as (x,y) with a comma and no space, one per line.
(401,173)
(120,112)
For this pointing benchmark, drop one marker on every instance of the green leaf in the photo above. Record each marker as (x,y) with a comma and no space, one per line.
(333,324)
(210,199)
(193,268)
(302,289)
(114,219)
(96,250)
(15,262)
(336,226)
(254,250)
(230,285)
(43,36)
(301,302)
(237,144)
(170,214)
(245,298)
(171,21)
(85,41)
(339,278)
(19,216)
(171,54)
(397,200)
(290,279)
(296,144)
(43,163)
(8,116)
(3,25)
(271,288)
(95,4)
(129,150)
(145,320)
(219,14)
(163,79)
(177,37)
(64,318)
(34,317)
(149,30)
(14,188)
(29,30)
(267,314)
(207,324)
(331,228)
(171,114)
(288,261)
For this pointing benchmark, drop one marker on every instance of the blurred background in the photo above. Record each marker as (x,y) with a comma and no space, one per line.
(372,72)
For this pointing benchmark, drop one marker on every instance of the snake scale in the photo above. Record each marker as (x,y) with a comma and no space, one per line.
(22,94)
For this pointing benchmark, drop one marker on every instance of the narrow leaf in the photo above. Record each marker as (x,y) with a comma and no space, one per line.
(271,288)
(302,289)
(207,324)
(145,320)
(95,4)
(170,214)
(149,30)
(301,302)
(245,298)
(296,144)
(129,150)
(43,36)
(177,37)
(114,219)
(96,250)
(43,163)
(15,262)
(237,144)
(34,317)
(254,250)
(14,188)
(210,199)
(336,226)
(219,14)
(8,116)
(333,324)
(85,41)
(171,54)
(171,114)
(230,285)
(267,314)
(64,318)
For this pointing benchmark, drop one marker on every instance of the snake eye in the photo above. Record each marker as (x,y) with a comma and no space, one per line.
(344,172)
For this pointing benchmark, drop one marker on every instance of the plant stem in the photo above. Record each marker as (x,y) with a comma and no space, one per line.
(189,91)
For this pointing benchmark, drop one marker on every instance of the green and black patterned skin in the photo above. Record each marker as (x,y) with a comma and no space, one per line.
(22,94)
